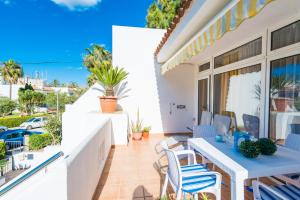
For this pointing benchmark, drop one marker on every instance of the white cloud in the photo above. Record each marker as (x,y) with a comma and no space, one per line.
(6,2)
(77,4)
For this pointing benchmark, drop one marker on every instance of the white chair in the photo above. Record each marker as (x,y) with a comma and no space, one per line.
(251,124)
(277,192)
(292,142)
(206,118)
(222,124)
(192,179)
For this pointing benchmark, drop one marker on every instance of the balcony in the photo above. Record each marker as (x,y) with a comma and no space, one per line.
(131,172)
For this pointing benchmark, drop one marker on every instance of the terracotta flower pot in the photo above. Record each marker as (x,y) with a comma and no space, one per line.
(137,136)
(145,134)
(108,104)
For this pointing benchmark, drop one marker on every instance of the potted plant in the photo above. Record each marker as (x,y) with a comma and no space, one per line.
(146,131)
(137,128)
(109,77)
(249,149)
(266,146)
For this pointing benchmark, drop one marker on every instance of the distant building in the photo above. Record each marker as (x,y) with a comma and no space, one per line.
(36,83)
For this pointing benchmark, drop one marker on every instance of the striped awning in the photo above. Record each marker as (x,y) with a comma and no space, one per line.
(241,11)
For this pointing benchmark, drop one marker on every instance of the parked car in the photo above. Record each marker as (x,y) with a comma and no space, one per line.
(35,122)
(3,128)
(11,137)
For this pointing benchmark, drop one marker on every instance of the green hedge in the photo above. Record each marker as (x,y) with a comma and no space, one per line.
(2,150)
(15,121)
(39,141)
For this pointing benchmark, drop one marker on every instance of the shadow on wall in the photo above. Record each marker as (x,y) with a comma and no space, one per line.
(176,97)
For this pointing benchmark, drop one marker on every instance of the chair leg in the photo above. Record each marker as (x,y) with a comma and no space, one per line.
(178,195)
(164,188)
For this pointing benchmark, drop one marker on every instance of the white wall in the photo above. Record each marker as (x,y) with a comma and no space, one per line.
(46,184)
(4,91)
(86,162)
(72,177)
(133,49)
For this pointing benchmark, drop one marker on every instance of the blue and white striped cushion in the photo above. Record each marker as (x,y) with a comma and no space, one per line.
(288,191)
(192,168)
(194,184)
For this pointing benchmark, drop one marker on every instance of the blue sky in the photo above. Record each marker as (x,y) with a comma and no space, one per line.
(37,33)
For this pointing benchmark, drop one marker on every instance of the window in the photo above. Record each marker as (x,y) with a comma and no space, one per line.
(245,51)
(13,135)
(285,36)
(204,67)
(203,96)
(284,115)
(37,120)
(237,94)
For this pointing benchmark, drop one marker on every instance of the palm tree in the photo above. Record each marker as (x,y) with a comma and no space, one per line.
(96,55)
(91,80)
(73,84)
(11,72)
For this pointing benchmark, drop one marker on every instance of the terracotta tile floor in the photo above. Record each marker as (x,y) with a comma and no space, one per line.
(131,173)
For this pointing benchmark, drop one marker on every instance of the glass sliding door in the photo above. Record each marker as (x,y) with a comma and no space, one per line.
(203,96)
(284,115)
(237,93)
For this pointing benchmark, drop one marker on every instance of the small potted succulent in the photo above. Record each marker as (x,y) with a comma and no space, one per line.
(146,131)
(266,146)
(249,149)
(137,128)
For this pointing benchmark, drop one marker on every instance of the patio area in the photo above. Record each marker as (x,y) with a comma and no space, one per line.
(130,173)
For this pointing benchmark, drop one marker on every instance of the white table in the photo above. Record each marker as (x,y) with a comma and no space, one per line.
(239,168)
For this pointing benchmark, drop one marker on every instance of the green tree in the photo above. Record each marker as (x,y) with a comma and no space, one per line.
(7,106)
(29,99)
(11,72)
(161,13)
(54,127)
(91,80)
(27,87)
(54,83)
(63,99)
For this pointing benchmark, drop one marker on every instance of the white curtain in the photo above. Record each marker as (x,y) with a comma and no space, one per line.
(241,97)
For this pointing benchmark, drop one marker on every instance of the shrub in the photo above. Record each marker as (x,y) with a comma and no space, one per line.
(39,141)
(15,121)
(249,149)
(7,106)
(266,146)
(2,150)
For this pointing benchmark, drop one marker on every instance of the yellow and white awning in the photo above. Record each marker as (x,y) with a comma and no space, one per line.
(241,11)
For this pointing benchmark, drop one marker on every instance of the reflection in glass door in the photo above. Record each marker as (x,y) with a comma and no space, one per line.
(203,96)
(284,115)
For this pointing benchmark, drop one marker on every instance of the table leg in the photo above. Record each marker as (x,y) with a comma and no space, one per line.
(237,189)
(189,157)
